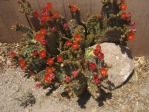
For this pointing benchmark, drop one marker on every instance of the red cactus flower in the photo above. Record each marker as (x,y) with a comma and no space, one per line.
(67,79)
(22,64)
(74,8)
(54,29)
(34,52)
(68,43)
(42,54)
(43,10)
(52,75)
(38,85)
(47,78)
(77,38)
(92,66)
(103,72)
(65,25)
(50,61)
(131,36)
(12,54)
(44,18)
(49,70)
(96,52)
(134,30)
(42,31)
(100,56)
(96,79)
(75,73)
(128,15)
(38,37)
(49,6)
(123,15)
(35,14)
(123,6)
(132,23)
(43,41)
(47,18)
(98,47)
(75,45)
(56,15)
(59,59)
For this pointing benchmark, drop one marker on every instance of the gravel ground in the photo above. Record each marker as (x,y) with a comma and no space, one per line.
(131,97)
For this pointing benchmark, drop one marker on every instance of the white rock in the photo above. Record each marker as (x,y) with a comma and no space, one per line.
(119,57)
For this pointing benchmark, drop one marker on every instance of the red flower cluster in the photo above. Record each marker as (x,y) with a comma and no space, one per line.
(44,18)
(49,74)
(40,37)
(45,13)
(125,15)
(97,52)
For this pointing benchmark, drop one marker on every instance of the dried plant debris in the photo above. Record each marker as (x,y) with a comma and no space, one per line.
(141,65)
(5,59)
(27,99)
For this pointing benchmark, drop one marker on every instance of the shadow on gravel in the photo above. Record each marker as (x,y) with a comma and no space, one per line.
(84,98)
(103,97)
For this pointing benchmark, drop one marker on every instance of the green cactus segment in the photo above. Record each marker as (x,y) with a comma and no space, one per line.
(76,87)
(25,7)
(94,25)
(27,51)
(113,34)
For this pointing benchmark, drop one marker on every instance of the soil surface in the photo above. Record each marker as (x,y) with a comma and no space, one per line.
(14,88)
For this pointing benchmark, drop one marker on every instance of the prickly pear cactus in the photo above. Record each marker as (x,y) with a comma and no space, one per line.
(56,52)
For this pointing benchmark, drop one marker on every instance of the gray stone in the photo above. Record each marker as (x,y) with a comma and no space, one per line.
(120,59)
